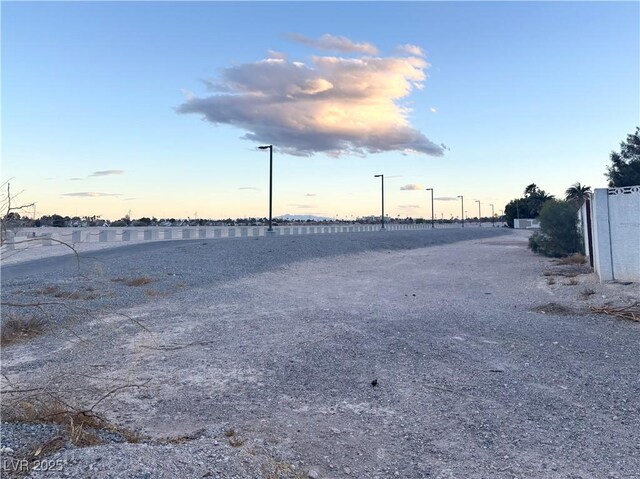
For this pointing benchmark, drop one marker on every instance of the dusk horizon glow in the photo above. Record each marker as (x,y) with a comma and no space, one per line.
(158,108)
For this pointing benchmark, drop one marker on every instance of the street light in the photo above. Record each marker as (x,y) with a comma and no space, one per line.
(431,190)
(270,148)
(478,201)
(382,181)
(462,209)
(493,217)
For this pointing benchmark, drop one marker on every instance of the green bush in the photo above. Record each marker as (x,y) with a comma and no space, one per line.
(559,234)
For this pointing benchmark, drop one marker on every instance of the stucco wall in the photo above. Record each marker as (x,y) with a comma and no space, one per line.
(615,217)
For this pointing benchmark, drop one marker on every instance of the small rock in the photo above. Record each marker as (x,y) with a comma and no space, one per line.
(347,471)
(313,474)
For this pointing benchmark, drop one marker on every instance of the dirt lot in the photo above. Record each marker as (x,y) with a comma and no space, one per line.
(459,358)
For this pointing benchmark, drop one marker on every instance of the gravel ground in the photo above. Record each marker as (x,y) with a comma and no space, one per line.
(405,354)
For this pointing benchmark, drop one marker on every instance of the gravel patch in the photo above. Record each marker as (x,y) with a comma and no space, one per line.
(421,357)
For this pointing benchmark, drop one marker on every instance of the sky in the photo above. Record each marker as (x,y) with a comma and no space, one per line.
(158,108)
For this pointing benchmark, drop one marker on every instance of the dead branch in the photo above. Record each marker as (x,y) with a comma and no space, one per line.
(8,210)
(114,391)
(31,240)
(630,313)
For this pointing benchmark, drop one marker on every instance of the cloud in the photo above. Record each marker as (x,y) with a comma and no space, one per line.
(248,188)
(411,187)
(446,198)
(333,43)
(130,199)
(295,205)
(90,194)
(409,49)
(310,194)
(330,105)
(276,55)
(75,179)
(107,172)
(408,206)
(433,109)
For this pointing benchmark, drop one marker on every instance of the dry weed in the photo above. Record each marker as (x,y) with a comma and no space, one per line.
(80,428)
(587,293)
(234,439)
(56,292)
(139,281)
(574,259)
(554,308)
(630,313)
(17,327)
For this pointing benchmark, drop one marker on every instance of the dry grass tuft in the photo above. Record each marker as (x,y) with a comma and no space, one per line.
(574,259)
(139,281)
(587,293)
(282,470)
(80,428)
(79,436)
(48,447)
(17,328)
(52,410)
(56,292)
(234,439)
(554,308)
(183,438)
(49,290)
(573,281)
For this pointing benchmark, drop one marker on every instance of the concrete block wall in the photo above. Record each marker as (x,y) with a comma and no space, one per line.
(615,223)
(526,223)
(48,236)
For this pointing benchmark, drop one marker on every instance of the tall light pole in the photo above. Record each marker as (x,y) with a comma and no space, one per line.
(462,208)
(493,216)
(382,181)
(431,190)
(270,148)
(479,224)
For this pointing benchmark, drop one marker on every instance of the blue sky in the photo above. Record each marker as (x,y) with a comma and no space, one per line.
(518,92)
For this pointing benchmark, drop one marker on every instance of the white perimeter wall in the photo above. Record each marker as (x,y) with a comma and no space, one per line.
(526,224)
(615,219)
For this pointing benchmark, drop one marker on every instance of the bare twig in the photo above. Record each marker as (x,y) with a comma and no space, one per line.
(631,313)
(114,391)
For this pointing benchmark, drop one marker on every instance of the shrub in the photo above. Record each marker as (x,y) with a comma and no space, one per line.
(559,235)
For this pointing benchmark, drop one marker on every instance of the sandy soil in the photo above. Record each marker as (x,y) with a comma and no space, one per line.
(474,359)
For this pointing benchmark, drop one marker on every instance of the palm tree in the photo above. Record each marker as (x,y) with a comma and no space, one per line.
(531,190)
(578,193)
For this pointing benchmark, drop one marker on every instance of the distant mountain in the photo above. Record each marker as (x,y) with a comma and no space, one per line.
(290,217)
